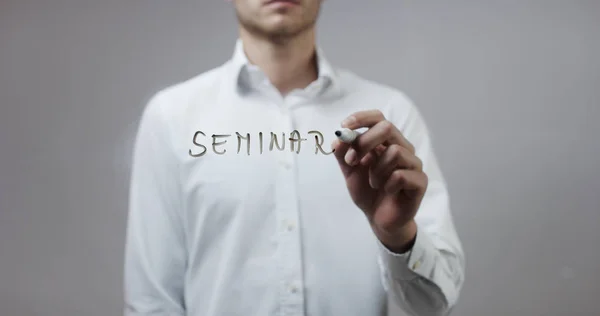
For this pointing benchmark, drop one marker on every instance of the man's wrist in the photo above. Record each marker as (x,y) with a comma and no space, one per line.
(401,240)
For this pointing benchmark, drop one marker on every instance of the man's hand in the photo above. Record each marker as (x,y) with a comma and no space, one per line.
(384,177)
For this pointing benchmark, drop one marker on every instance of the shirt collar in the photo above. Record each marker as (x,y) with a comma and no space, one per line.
(243,72)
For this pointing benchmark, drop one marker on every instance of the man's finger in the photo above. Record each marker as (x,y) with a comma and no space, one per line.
(383,133)
(370,119)
(340,150)
(395,157)
(372,156)
(413,182)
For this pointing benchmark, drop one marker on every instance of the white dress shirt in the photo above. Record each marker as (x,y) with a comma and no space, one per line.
(238,232)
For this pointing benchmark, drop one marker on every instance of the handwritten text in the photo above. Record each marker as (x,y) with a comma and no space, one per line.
(218,140)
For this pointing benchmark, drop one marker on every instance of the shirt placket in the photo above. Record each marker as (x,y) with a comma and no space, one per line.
(290,264)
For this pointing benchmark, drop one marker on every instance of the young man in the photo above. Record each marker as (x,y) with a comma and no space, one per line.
(238,207)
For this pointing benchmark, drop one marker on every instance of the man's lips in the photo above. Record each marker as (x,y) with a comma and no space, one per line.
(283,2)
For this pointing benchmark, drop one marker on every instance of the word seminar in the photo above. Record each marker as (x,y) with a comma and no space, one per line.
(275,142)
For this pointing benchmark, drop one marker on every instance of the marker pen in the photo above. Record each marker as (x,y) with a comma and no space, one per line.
(347,135)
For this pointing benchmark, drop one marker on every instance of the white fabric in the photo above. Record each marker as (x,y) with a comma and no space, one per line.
(273,233)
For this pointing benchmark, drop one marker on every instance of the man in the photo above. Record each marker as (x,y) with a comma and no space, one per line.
(238,208)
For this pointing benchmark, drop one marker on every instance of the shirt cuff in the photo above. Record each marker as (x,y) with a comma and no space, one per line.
(409,265)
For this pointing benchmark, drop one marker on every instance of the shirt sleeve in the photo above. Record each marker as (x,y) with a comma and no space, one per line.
(155,254)
(427,279)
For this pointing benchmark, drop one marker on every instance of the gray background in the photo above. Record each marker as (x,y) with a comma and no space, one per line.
(509,88)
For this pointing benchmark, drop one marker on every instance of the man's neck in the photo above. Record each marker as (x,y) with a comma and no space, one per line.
(289,64)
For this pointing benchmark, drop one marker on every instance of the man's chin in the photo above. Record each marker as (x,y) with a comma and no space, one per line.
(281,30)
(278,28)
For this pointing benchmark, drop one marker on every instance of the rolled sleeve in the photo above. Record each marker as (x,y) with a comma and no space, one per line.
(427,279)
(419,261)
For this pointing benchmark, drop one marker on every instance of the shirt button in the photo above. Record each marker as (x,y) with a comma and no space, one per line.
(294,289)
(285,165)
(416,265)
(291,227)
(288,225)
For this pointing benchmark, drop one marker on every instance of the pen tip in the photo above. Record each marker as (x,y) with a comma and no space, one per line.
(338,133)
